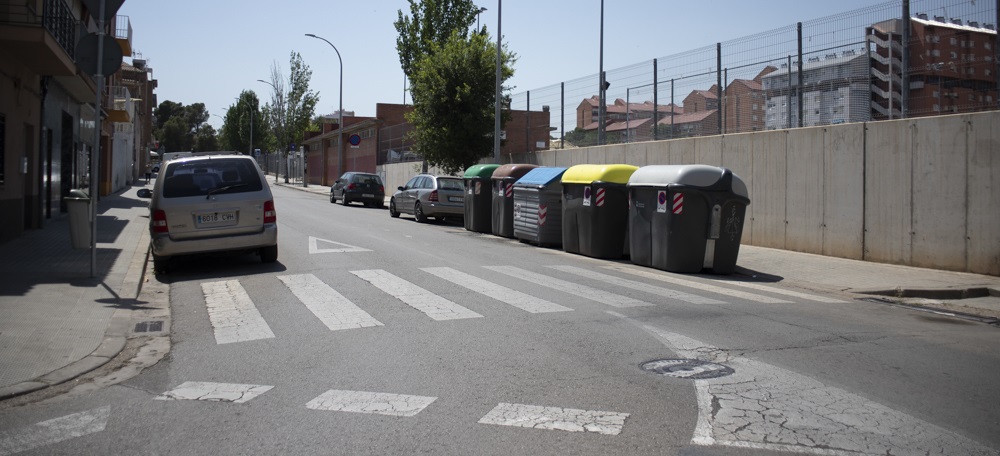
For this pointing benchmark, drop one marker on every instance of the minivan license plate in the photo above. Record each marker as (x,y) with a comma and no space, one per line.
(217,217)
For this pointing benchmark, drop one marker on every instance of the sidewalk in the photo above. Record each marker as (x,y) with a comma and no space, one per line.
(57,323)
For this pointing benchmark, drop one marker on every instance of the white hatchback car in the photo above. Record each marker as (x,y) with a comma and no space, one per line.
(211,203)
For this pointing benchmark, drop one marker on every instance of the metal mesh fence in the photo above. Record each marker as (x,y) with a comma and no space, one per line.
(850,67)
(395,144)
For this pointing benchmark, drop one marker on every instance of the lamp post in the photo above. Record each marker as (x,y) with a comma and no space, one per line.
(603,86)
(280,139)
(251,127)
(340,109)
(497,100)
(481,9)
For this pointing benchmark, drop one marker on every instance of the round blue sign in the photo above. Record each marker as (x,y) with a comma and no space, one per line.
(355,140)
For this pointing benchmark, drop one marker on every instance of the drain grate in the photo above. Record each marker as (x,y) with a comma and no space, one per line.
(149,326)
(686,368)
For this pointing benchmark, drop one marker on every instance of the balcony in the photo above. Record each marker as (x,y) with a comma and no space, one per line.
(41,34)
(123,34)
(121,108)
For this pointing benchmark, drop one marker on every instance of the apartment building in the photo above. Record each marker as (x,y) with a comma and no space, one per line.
(47,115)
(835,89)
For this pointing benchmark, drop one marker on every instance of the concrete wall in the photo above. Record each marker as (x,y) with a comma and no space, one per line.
(921,192)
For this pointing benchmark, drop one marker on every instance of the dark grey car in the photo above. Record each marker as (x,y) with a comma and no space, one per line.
(355,186)
(426,196)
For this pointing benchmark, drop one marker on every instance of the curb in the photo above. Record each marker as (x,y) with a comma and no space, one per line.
(114,341)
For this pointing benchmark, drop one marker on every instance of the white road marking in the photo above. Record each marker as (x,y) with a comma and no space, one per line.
(583,291)
(762,406)
(572,420)
(367,402)
(233,314)
(331,307)
(652,289)
(782,291)
(214,392)
(515,298)
(429,303)
(343,248)
(53,431)
(663,277)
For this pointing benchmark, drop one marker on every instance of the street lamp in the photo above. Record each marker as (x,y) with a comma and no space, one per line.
(497,100)
(481,9)
(279,141)
(340,109)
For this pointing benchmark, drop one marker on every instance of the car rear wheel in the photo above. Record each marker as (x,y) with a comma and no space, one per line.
(344,200)
(392,208)
(418,213)
(333,199)
(269,254)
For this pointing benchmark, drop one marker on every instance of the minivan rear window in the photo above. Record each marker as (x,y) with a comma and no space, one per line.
(219,176)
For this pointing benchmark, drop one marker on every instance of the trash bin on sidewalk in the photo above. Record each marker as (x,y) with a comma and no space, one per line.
(685,218)
(479,198)
(78,205)
(503,196)
(595,210)
(538,206)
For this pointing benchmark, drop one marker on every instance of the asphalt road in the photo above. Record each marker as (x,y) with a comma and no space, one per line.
(385,336)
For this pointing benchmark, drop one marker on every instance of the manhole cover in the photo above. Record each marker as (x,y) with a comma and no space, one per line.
(149,326)
(686,368)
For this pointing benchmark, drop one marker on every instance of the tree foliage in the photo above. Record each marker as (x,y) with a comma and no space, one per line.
(243,119)
(178,125)
(301,102)
(454,91)
(431,23)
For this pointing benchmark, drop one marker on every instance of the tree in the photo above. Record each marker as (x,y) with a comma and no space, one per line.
(205,139)
(301,101)
(237,126)
(432,23)
(177,125)
(454,101)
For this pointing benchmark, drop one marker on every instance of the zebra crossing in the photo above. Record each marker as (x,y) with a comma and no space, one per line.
(235,318)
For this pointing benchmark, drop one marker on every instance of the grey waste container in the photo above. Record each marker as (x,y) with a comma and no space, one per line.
(503,196)
(479,198)
(686,218)
(78,204)
(538,207)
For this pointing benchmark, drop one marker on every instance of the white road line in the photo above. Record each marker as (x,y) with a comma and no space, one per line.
(515,298)
(233,314)
(367,402)
(53,431)
(652,289)
(782,291)
(583,291)
(214,392)
(429,303)
(698,285)
(762,406)
(331,307)
(343,248)
(572,420)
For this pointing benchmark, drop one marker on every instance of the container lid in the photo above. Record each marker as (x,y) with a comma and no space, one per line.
(703,176)
(484,171)
(78,193)
(585,174)
(515,170)
(541,176)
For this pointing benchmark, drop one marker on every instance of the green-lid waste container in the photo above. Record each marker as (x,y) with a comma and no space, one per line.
(78,204)
(595,210)
(479,198)
(503,196)
(538,206)
(686,218)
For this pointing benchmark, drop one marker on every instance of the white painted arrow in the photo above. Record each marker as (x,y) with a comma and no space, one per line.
(54,430)
(344,248)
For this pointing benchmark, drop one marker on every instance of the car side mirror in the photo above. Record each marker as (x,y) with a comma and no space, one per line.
(144,193)
(401,188)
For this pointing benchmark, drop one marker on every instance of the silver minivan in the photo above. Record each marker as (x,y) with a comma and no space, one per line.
(212,203)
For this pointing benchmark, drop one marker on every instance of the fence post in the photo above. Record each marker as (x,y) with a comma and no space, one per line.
(673,108)
(562,115)
(656,103)
(718,85)
(905,103)
(527,124)
(799,94)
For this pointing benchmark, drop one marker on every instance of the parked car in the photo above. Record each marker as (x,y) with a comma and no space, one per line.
(213,203)
(427,196)
(364,187)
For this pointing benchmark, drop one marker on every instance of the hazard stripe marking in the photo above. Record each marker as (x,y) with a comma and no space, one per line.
(515,298)
(645,287)
(554,418)
(53,431)
(699,285)
(429,303)
(331,307)
(233,314)
(367,402)
(214,392)
(583,291)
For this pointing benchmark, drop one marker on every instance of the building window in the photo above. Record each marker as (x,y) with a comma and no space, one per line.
(937,53)
(988,45)
(954,41)
(3,146)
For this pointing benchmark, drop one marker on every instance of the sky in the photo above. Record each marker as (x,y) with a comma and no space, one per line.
(210,51)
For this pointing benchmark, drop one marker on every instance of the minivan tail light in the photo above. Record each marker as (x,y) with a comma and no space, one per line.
(433,196)
(160,222)
(270,216)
